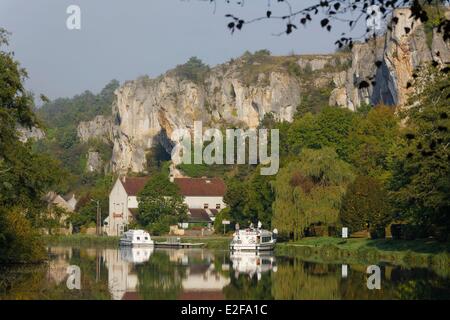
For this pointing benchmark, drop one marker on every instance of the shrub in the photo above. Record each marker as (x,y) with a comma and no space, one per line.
(365,203)
(396,231)
(377,233)
(408,232)
(18,241)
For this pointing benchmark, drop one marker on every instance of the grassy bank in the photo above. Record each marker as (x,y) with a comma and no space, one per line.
(213,242)
(81,240)
(415,253)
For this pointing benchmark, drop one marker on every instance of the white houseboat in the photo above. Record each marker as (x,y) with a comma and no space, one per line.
(136,238)
(253,239)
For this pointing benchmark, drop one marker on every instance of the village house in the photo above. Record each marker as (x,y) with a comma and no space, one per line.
(67,203)
(203,197)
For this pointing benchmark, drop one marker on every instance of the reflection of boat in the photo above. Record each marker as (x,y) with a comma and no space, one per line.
(252,263)
(136,255)
(136,238)
(253,239)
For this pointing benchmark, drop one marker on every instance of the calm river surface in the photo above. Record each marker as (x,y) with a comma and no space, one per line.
(145,273)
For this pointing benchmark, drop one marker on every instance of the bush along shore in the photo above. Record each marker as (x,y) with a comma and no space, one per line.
(410,254)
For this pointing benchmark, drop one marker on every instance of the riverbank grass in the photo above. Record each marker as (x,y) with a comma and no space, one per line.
(428,246)
(81,240)
(423,253)
(211,242)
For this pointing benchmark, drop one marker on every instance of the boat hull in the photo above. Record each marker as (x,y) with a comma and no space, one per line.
(127,243)
(252,247)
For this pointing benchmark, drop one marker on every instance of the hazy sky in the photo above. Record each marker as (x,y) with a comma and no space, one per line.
(126,39)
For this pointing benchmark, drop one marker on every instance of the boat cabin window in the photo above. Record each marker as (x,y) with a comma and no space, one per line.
(146,238)
(139,238)
(266,239)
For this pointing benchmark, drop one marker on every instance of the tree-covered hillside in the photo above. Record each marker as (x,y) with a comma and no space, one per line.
(61,118)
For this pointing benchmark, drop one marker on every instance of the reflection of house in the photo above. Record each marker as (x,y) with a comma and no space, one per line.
(58,264)
(122,279)
(203,282)
(204,198)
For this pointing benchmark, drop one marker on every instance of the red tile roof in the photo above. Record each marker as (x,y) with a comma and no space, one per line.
(134,185)
(202,187)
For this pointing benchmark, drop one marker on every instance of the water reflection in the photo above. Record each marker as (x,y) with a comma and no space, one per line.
(252,263)
(147,273)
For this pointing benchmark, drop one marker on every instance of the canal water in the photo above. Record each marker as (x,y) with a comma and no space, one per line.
(147,273)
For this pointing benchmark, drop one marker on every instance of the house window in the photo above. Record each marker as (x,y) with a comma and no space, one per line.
(205,206)
(218,206)
(139,238)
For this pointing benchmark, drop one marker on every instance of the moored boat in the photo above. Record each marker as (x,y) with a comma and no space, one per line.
(252,239)
(136,238)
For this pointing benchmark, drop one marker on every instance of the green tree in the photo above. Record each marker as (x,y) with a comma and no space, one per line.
(25,176)
(260,195)
(160,204)
(308,191)
(329,128)
(224,214)
(365,205)
(194,69)
(236,199)
(421,163)
(373,140)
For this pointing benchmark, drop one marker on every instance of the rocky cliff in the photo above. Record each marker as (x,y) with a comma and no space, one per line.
(241,92)
(26,134)
(383,68)
(100,127)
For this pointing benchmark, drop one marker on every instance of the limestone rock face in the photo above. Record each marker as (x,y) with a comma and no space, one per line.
(94,162)
(100,127)
(398,53)
(241,92)
(147,111)
(26,134)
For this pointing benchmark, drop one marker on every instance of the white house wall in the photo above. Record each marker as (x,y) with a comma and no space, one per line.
(199,202)
(132,202)
(118,204)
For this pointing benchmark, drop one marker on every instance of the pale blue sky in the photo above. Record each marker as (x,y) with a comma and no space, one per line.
(126,39)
